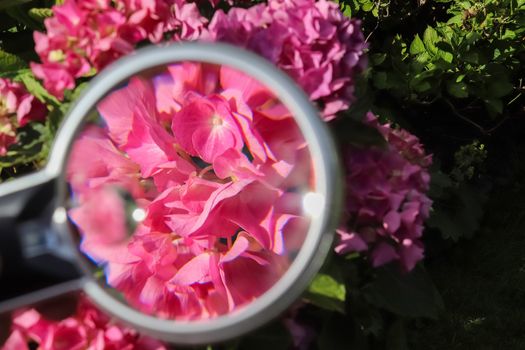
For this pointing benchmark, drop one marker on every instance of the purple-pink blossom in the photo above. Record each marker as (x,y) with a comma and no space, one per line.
(312,41)
(17,108)
(87,328)
(386,202)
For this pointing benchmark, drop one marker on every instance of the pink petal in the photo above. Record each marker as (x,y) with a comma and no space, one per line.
(382,254)
(392,221)
(196,270)
(119,107)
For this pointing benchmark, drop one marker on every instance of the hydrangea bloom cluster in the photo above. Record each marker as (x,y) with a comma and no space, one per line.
(219,166)
(312,41)
(88,328)
(386,202)
(17,108)
(84,36)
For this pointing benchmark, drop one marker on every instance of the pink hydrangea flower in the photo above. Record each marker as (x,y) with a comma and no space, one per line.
(310,40)
(386,202)
(88,328)
(214,160)
(85,36)
(17,108)
(7,135)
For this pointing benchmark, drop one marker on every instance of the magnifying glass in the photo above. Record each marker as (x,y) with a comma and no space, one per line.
(191,193)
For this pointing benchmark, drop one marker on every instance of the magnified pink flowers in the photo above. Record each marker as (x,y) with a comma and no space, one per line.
(386,202)
(217,166)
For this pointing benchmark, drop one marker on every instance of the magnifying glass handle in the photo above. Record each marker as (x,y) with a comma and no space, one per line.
(34,260)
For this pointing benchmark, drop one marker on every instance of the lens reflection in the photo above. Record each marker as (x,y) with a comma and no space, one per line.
(191,188)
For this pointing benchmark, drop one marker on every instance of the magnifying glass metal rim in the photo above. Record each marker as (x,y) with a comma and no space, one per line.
(327,186)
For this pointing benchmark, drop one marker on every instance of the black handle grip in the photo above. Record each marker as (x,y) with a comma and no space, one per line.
(30,249)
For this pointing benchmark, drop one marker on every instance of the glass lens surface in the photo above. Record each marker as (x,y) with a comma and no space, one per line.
(191,189)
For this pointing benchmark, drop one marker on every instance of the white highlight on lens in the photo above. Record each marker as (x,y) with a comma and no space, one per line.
(138,214)
(313,203)
(60,215)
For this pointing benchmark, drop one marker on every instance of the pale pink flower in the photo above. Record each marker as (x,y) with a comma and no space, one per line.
(84,36)
(88,329)
(17,109)
(7,135)
(386,202)
(15,100)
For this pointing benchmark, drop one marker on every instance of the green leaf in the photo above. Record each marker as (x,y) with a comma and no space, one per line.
(457,19)
(380,80)
(326,292)
(472,37)
(347,11)
(368,6)
(340,333)
(459,214)
(494,106)
(417,46)
(10,62)
(406,294)
(445,52)
(421,86)
(20,14)
(29,148)
(377,58)
(326,285)
(55,117)
(457,89)
(424,81)
(499,86)
(396,338)
(439,183)
(424,58)
(40,14)
(352,132)
(35,88)
(471,57)
(75,94)
(430,39)
(273,336)
(9,3)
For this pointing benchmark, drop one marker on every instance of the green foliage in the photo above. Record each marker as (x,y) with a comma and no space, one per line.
(457,209)
(40,14)
(468,160)
(352,8)
(406,294)
(34,87)
(273,336)
(463,58)
(5,4)
(10,63)
(18,19)
(327,292)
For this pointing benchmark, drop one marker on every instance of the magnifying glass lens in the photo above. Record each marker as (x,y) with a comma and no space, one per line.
(192,190)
